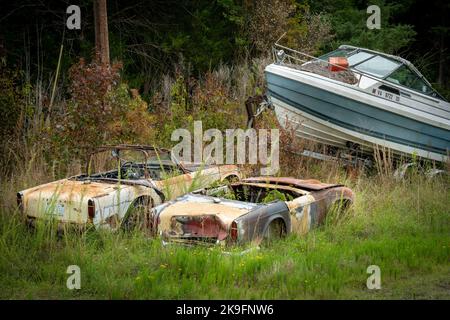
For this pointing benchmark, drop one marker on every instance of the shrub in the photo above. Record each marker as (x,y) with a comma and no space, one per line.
(100,110)
(209,100)
(13,105)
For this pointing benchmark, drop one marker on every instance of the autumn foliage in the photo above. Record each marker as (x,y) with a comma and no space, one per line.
(100,110)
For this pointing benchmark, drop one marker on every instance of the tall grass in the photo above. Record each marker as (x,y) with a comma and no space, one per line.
(401,226)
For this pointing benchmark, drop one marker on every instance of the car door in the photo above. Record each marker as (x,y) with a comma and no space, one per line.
(302,212)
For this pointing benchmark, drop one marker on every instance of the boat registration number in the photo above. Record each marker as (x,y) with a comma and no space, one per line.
(386,95)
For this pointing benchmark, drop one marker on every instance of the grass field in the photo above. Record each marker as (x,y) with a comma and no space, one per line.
(402,227)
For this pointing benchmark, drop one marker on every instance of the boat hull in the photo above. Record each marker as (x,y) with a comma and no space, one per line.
(331,113)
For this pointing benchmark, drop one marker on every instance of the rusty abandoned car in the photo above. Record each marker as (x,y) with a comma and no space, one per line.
(250,210)
(121,185)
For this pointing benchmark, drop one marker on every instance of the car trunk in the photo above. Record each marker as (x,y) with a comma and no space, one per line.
(64,200)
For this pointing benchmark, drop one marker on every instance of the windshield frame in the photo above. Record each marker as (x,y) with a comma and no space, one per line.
(146,151)
(398,64)
(433,94)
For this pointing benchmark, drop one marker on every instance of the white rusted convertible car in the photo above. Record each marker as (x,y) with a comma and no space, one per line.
(122,184)
(250,210)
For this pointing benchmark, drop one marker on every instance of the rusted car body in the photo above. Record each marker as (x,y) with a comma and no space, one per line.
(244,215)
(107,199)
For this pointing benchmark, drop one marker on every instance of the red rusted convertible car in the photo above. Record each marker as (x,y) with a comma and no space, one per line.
(253,209)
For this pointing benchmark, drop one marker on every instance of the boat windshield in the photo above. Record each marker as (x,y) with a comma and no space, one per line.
(358,57)
(383,67)
(405,77)
(337,53)
(364,61)
(378,66)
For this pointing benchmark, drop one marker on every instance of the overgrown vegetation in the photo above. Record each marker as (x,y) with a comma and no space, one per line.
(401,227)
(150,38)
(202,63)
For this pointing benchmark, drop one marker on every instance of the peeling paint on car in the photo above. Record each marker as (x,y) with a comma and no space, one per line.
(67,200)
(209,219)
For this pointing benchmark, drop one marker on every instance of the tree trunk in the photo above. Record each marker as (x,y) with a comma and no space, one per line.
(101,31)
(442,58)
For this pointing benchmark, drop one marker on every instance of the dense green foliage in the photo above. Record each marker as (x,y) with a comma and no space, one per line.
(349,24)
(165,41)
(150,37)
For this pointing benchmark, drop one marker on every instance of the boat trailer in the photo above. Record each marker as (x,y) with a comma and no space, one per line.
(256,105)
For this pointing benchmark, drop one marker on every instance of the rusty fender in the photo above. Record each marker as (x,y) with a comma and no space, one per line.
(310,210)
(253,225)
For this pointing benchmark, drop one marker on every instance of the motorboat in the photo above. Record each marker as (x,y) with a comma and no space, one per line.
(356,98)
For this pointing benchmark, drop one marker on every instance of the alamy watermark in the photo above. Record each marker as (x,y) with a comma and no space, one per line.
(237,142)
(74,20)
(374,280)
(74,280)
(374,20)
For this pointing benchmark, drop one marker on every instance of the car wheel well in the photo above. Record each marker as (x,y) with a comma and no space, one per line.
(231,178)
(142,199)
(275,229)
(146,202)
(343,204)
(337,210)
(138,201)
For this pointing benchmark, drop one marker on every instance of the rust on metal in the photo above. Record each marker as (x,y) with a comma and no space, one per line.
(105,199)
(309,184)
(245,215)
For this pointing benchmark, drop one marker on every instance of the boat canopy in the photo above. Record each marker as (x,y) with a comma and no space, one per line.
(384,66)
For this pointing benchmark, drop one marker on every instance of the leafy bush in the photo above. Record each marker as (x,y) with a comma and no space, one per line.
(348,22)
(208,100)
(13,105)
(100,110)
(275,195)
